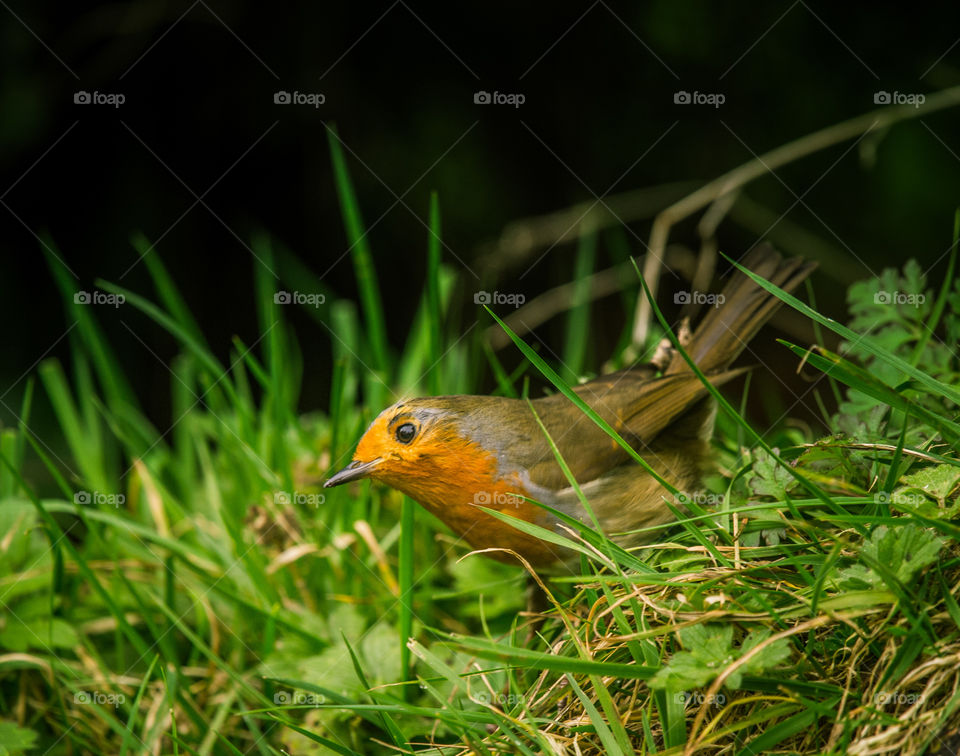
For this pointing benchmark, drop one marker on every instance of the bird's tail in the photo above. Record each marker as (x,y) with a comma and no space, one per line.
(741,309)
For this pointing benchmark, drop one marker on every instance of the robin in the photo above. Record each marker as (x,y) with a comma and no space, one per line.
(456,454)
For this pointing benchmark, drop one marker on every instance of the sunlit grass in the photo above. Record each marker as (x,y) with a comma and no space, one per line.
(193,589)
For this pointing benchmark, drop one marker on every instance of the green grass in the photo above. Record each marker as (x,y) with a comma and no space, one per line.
(192,588)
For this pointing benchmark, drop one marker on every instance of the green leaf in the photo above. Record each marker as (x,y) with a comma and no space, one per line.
(769,477)
(14,739)
(20,633)
(708,650)
(903,550)
(684,672)
(889,299)
(938,481)
(17,518)
(769,657)
(832,459)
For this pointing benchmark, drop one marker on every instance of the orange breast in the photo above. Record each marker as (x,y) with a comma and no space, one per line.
(455,485)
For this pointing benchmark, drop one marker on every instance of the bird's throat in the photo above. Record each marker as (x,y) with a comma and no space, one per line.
(457,485)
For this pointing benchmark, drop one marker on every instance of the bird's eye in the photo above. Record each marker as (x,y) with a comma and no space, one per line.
(406,432)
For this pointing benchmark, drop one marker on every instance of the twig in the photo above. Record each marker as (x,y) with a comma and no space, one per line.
(560,298)
(793,239)
(760,166)
(522,238)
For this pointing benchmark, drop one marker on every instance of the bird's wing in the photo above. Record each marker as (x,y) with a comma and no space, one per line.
(638,408)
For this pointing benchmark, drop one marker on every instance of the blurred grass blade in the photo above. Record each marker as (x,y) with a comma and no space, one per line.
(78,310)
(941,301)
(166,289)
(577,335)
(175,329)
(362,258)
(434,310)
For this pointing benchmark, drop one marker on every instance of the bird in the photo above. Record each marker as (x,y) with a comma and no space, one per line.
(457,455)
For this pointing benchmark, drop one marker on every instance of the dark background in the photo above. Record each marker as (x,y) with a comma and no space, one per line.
(599,82)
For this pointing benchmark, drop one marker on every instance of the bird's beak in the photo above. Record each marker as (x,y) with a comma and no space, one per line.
(353,471)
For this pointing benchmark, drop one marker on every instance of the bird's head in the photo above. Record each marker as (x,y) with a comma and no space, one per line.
(419,447)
